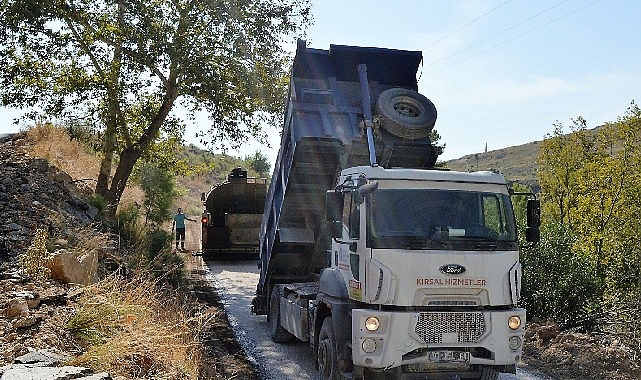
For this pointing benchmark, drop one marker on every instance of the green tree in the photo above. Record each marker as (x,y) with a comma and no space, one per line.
(590,186)
(126,65)
(558,163)
(259,163)
(159,186)
(558,284)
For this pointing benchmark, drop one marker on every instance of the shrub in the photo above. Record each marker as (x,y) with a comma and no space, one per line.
(558,284)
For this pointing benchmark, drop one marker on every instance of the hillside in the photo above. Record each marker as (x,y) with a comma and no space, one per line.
(37,340)
(517,163)
(206,170)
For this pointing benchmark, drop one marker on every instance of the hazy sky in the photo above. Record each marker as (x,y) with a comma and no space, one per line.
(500,72)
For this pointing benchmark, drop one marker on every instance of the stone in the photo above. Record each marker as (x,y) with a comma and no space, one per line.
(31,371)
(16,308)
(26,321)
(44,357)
(67,268)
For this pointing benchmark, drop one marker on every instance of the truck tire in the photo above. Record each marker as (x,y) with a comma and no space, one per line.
(326,351)
(488,373)
(406,113)
(276,330)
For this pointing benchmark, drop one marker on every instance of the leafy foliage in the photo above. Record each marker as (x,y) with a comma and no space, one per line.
(160,190)
(558,284)
(590,190)
(125,66)
(259,163)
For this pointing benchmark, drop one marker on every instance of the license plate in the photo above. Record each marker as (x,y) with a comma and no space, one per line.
(449,357)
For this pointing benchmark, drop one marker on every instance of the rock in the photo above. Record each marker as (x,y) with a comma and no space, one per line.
(27,321)
(61,243)
(16,308)
(40,365)
(65,267)
(33,371)
(33,300)
(44,357)
(547,332)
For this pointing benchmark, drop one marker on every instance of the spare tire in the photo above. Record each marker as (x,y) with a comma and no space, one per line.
(406,113)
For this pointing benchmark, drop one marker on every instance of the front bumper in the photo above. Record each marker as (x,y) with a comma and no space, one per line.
(437,340)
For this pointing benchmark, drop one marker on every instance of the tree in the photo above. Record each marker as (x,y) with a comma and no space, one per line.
(558,163)
(259,163)
(590,182)
(160,190)
(126,65)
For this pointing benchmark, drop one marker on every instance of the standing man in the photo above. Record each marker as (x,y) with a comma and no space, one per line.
(179,223)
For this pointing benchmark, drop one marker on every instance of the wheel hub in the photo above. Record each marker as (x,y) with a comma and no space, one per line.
(406,109)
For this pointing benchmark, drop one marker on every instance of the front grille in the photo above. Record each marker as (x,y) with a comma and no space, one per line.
(450,327)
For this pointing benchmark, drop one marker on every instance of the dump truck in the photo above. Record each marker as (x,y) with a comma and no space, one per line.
(232,215)
(387,265)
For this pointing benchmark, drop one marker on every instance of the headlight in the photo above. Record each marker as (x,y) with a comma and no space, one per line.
(515,343)
(372,324)
(369,345)
(514,322)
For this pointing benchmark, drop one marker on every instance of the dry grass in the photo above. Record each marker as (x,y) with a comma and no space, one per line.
(135,330)
(55,145)
(129,327)
(34,261)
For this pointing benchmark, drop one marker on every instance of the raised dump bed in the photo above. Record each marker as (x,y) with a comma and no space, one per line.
(324,133)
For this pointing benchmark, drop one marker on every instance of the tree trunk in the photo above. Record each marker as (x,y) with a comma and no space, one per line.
(130,155)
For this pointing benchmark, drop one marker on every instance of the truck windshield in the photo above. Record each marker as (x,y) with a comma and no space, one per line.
(440,219)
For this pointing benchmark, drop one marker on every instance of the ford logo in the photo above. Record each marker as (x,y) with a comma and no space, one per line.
(453,269)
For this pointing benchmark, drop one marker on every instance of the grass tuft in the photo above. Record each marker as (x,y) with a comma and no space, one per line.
(34,261)
(135,329)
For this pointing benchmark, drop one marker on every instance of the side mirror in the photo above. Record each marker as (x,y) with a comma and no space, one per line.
(202,197)
(334,206)
(533,231)
(365,190)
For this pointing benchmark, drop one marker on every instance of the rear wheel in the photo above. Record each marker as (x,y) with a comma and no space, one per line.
(326,351)
(276,330)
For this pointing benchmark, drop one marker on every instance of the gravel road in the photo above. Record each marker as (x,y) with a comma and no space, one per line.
(236,281)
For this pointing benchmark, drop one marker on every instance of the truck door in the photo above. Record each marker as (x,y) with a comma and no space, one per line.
(348,259)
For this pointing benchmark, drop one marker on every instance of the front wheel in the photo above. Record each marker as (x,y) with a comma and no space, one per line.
(488,373)
(326,351)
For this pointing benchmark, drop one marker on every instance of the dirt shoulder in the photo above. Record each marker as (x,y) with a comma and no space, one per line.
(223,357)
(574,356)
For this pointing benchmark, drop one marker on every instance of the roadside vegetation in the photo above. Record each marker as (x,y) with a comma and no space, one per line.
(139,320)
(586,273)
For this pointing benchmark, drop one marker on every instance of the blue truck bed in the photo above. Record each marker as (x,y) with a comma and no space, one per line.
(322,134)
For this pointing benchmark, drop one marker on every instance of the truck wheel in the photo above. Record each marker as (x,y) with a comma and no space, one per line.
(326,351)
(276,330)
(488,373)
(406,113)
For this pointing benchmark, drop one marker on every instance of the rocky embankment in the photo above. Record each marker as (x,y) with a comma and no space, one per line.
(37,199)
(35,196)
